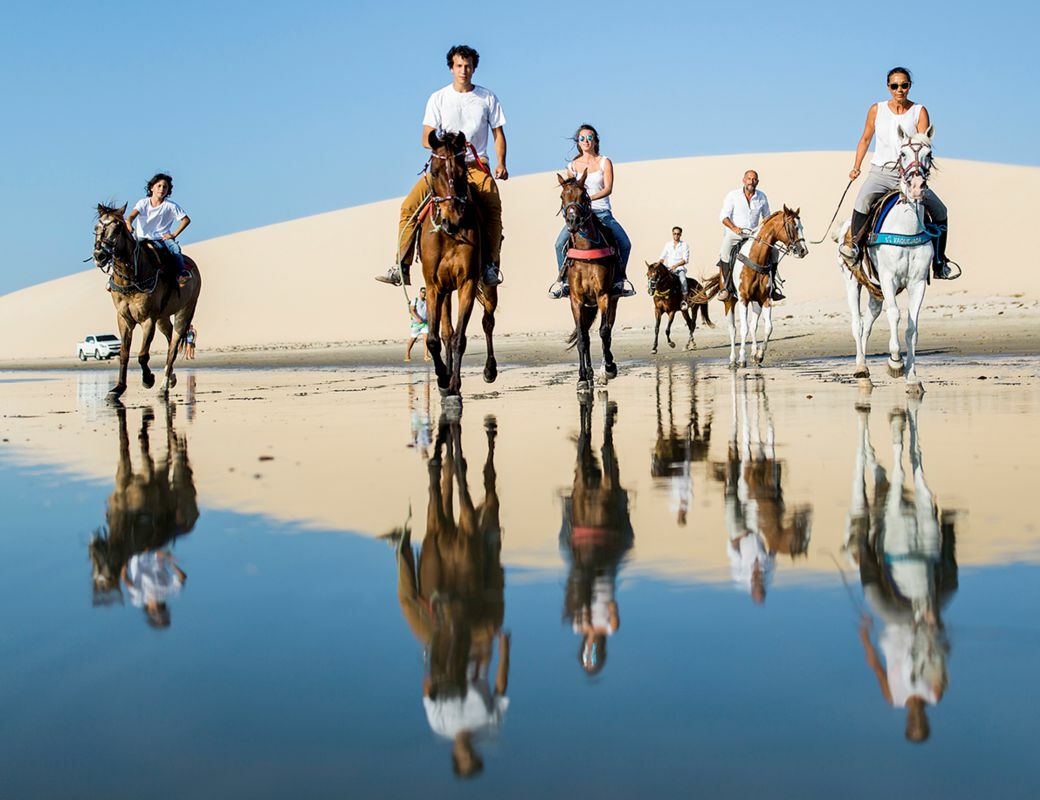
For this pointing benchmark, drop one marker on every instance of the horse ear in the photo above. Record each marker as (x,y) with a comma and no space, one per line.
(559,177)
(584,175)
(798,211)
(122,210)
(100,209)
(930,132)
(433,141)
(902,134)
(787,211)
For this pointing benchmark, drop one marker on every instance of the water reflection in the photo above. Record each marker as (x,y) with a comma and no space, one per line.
(758,521)
(906,550)
(148,509)
(674,452)
(595,535)
(453,600)
(421,422)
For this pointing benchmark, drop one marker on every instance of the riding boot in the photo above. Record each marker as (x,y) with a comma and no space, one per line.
(621,287)
(727,279)
(560,289)
(850,250)
(939,269)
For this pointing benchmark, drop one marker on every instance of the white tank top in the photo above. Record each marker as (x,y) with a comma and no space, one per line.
(886,132)
(594,182)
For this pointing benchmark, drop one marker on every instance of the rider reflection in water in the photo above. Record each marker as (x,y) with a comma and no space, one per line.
(455,601)
(595,536)
(147,510)
(908,568)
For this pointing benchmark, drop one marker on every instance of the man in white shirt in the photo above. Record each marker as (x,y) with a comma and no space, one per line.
(676,256)
(473,110)
(742,211)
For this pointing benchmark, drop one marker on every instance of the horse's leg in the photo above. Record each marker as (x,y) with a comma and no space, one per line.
(147,332)
(742,357)
(467,295)
(435,308)
(448,337)
(587,318)
(853,291)
(173,336)
(731,322)
(657,327)
(873,312)
(895,360)
(915,301)
(604,337)
(691,323)
(126,334)
(668,329)
(490,302)
(767,321)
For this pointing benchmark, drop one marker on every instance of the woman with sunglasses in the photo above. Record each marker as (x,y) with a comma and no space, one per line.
(600,184)
(883,121)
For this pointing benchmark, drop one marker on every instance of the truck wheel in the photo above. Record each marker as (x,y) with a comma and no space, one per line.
(97,356)
(82,356)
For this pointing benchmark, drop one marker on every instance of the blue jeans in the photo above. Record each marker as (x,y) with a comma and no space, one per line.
(175,248)
(624,243)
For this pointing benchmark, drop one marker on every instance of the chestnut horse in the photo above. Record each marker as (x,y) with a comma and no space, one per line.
(143,295)
(664,288)
(590,264)
(451,249)
(780,233)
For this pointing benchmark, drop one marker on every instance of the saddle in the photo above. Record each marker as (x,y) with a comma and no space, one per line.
(168,265)
(608,250)
(867,272)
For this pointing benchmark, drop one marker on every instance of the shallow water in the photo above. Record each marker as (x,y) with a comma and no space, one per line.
(704,583)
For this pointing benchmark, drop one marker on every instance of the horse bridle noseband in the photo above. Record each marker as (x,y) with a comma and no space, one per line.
(110,265)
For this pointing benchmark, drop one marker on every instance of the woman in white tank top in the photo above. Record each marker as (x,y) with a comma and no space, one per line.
(883,122)
(600,184)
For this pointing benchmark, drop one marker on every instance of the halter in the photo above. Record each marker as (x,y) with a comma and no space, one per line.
(436,215)
(110,263)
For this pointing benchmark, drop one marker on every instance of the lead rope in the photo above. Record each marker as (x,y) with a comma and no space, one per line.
(820,240)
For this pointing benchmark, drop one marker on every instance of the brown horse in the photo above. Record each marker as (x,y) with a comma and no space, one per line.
(590,264)
(144,293)
(665,289)
(451,249)
(779,234)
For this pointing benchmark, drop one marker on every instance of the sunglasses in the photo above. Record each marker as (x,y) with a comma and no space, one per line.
(586,138)
(894,86)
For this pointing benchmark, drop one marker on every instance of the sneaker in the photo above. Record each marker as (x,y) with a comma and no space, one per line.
(777,295)
(559,290)
(393,275)
(183,277)
(492,275)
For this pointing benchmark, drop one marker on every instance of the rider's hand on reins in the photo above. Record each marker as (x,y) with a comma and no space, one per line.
(853,174)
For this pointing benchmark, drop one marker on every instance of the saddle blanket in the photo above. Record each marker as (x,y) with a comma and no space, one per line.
(586,255)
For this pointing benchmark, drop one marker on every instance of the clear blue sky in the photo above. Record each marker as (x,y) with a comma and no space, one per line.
(265,112)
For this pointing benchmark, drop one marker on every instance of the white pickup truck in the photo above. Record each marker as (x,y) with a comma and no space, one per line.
(103,345)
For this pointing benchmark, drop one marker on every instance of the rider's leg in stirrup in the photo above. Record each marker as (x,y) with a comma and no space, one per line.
(485,190)
(731,242)
(939,214)
(621,286)
(850,248)
(559,288)
(407,230)
(681,275)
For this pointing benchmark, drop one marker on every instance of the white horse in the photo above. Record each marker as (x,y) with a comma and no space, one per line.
(900,266)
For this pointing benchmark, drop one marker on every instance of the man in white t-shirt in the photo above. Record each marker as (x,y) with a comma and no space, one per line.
(158,218)
(676,256)
(462,107)
(152,578)
(742,211)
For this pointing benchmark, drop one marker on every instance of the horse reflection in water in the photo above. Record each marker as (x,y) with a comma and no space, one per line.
(455,601)
(674,453)
(148,509)
(757,519)
(595,536)
(907,561)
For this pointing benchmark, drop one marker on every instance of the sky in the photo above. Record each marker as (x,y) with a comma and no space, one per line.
(265,112)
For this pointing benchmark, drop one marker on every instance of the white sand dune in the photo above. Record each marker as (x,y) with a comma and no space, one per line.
(310,280)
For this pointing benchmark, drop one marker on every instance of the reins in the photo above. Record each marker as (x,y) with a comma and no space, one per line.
(836,210)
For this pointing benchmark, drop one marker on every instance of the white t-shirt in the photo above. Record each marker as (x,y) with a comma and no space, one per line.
(152,222)
(673,254)
(151,578)
(744,213)
(599,609)
(479,711)
(420,308)
(471,113)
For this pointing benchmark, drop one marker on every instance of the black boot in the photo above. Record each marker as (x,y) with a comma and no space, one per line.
(727,279)
(851,249)
(939,268)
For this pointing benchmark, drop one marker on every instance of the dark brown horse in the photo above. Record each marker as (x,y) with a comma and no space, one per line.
(779,234)
(451,247)
(665,289)
(145,293)
(591,261)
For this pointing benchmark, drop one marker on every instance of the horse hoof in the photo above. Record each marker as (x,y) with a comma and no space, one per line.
(861,372)
(915,389)
(583,387)
(671,344)
(148,380)
(611,370)
(759,358)
(895,369)
(490,373)
(173,379)
(653,352)
(690,345)
(732,364)
(451,406)
(116,392)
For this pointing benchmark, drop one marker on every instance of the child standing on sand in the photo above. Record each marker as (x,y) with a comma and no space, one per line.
(158,218)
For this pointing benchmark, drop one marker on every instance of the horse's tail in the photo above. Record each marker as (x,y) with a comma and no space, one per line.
(707,291)
(838,230)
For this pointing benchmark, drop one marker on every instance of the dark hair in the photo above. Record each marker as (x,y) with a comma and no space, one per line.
(595,140)
(160,176)
(463,51)
(896,71)
(677,228)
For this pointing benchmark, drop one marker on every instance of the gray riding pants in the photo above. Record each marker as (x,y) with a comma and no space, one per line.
(880,180)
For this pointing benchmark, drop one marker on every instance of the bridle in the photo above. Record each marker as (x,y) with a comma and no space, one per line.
(436,215)
(583,207)
(652,282)
(106,260)
(795,238)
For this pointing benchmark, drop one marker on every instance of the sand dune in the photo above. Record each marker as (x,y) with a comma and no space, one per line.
(310,280)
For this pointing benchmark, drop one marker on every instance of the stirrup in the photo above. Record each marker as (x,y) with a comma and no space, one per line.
(941,272)
(393,276)
(622,288)
(492,275)
(850,254)
(559,290)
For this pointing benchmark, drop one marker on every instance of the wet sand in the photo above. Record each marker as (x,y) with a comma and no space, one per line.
(346,449)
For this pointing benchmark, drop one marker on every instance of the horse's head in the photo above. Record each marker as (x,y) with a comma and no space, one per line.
(792,234)
(653,275)
(914,162)
(574,201)
(110,235)
(448,181)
